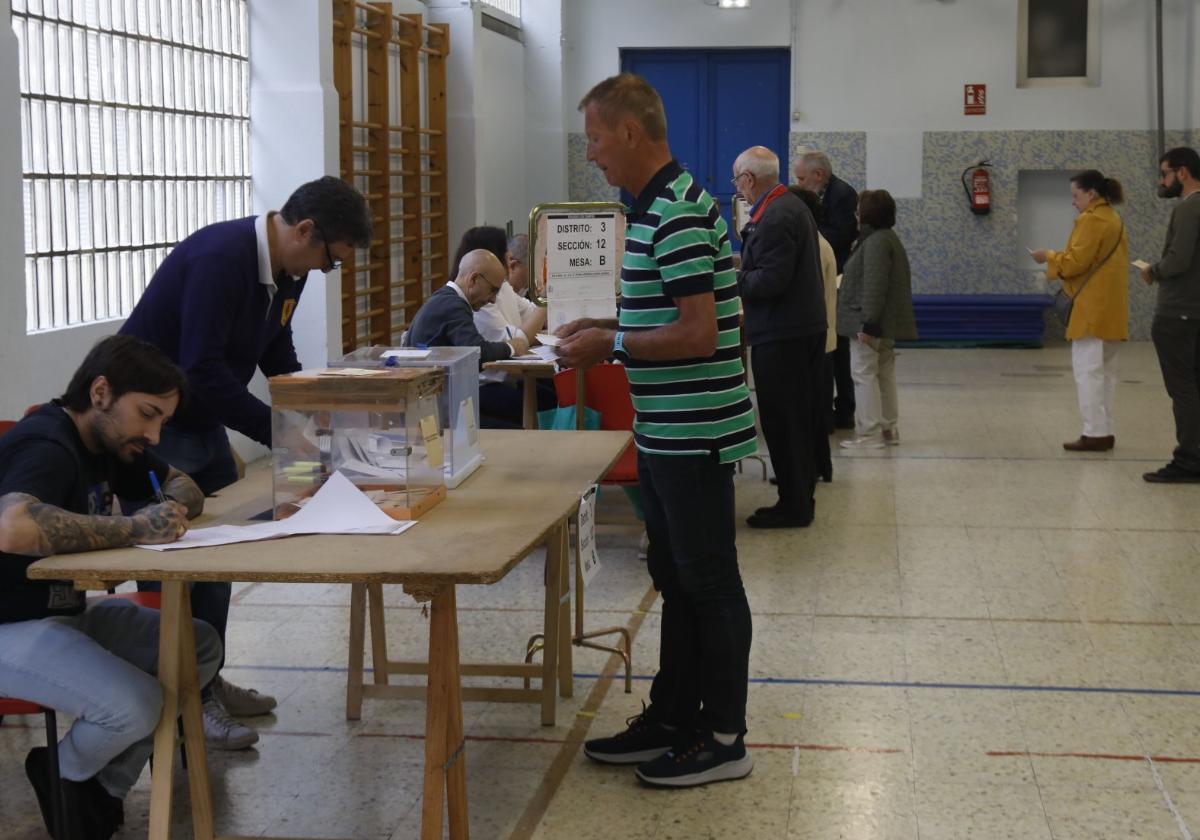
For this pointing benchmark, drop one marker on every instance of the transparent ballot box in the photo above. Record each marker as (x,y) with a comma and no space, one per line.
(458,402)
(379,428)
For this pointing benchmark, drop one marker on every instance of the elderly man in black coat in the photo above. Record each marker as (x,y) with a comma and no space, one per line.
(783,295)
(839,226)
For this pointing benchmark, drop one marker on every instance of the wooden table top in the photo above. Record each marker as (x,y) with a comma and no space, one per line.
(538,367)
(528,483)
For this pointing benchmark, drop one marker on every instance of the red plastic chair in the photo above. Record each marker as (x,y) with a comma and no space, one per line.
(606,390)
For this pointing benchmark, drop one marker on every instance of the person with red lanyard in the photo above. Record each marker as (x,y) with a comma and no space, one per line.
(781,286)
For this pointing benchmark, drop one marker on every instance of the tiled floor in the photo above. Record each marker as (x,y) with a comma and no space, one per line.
(982,636)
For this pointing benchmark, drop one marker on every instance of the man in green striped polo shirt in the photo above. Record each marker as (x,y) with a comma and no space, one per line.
(679,338)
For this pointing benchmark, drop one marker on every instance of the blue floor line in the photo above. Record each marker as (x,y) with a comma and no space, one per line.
(1077,689)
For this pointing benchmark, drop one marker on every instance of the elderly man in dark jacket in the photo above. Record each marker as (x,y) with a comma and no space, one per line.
(839,226)
(783,295)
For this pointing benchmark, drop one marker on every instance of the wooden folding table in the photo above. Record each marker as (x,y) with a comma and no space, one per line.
(523,496)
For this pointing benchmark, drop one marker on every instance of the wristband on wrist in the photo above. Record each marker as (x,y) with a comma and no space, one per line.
(619,352)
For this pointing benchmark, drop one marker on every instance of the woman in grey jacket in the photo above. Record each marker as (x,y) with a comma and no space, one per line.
(874,310)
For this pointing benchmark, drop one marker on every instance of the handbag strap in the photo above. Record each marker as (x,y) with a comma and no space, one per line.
(1097,266)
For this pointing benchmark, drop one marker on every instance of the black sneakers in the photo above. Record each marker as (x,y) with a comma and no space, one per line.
(90,812)
(702,761)
(642,740)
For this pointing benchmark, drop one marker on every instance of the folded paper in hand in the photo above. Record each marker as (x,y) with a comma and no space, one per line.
(337,508)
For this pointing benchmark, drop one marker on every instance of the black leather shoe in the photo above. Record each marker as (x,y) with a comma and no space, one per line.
(1172,473)
(775,518)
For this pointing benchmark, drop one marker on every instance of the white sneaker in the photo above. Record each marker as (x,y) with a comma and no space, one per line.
(891,437)
(241,702)
(865,442)
(222,732)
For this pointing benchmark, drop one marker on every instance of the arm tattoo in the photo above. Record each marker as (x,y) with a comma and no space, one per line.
(61,532)
(180,487)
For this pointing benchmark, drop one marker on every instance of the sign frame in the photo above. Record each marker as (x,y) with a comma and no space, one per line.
(538,238)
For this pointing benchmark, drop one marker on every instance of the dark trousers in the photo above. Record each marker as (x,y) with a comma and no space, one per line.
(501,404)
(787,381)
(1177,341)
(843,403)
(208,459)
(704,652)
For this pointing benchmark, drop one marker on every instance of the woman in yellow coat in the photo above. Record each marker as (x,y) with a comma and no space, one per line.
(1094,269)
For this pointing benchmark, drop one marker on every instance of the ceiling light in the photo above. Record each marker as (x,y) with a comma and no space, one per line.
(734,4)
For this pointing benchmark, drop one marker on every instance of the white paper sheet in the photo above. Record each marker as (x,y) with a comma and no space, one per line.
(406,353)
(589,558)
(548,354)
(337,508)
(549,339)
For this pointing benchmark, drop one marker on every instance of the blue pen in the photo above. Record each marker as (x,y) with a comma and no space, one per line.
(158,493)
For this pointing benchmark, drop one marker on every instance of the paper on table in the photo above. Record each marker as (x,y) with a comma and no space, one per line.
(1142,265)
(337,508)
(406,353)
(548,354)
(549,339)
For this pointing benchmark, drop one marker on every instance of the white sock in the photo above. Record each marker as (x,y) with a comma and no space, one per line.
(725,739)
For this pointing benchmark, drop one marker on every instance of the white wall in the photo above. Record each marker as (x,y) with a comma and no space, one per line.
(500,132)
(461,122)
(545,135)
(865,65)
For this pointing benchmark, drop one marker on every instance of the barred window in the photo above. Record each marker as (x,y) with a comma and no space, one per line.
(509,7)
(135,132)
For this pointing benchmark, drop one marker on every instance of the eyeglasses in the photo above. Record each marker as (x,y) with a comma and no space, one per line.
(495,289)
(734,180)
(334,265)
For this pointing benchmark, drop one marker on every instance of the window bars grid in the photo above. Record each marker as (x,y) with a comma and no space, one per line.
(509,7)
(135,132)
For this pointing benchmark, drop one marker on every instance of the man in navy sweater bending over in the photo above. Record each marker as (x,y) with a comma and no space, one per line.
(219,306)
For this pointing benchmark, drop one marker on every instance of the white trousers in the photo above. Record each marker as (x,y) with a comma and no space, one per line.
(876,408)
(1095,364)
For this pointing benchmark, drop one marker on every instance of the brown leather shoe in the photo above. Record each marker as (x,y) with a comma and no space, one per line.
(1091,444)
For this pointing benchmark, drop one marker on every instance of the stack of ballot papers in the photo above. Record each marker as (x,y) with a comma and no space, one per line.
(337,508)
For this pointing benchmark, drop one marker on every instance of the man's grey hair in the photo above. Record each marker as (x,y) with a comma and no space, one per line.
(813,159)
(518,246)
(760,162)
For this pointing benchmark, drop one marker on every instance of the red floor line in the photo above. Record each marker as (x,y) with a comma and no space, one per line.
(1163,759)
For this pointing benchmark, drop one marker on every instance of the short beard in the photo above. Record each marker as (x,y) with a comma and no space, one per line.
(104,432)
(1173,191)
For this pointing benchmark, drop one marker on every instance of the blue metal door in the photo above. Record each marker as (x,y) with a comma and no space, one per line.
(718,103)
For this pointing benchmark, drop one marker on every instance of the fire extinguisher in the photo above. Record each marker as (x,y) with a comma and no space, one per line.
(979,193)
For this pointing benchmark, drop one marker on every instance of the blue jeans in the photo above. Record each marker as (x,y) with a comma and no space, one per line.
(208,460)
(704,651)
(98,667)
